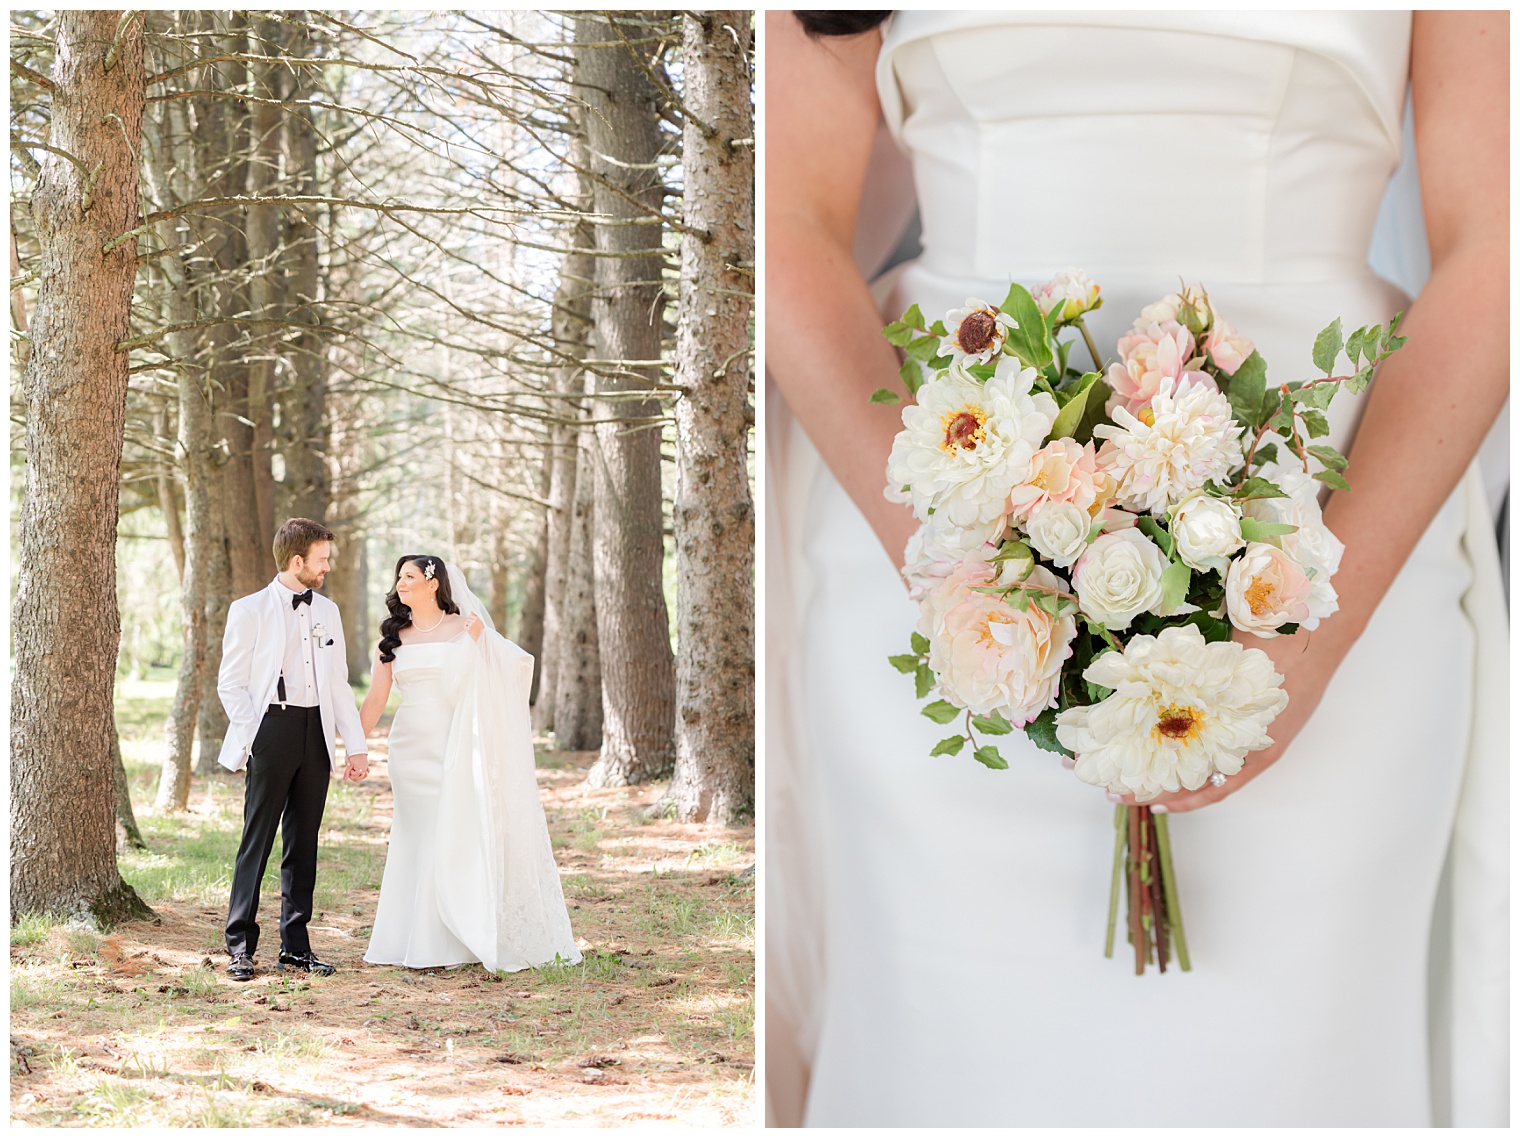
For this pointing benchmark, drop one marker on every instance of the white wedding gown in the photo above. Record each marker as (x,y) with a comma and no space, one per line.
(935,928)
(470,873)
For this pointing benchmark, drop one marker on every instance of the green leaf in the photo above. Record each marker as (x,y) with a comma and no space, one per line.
(913,318)
(885,395)
(1247,389)
(1358,382)
(1074,406)
(941,711)
(1356,345)
(1045,602)
(1030,341)
(1011,551)
(1214,630)
(904,664)
(938,328)
(1331,457)
(950,746)
(988,756)
(1157,533)
(1175,579)
(912,376)
(1097,692)
(920,643)
(923,682)
(1258,487)
(1327,345)
(1266,453)
(993,724)
(1315,423)
(923,349)
(1019,599)
(1319,395)
(1254,530)
(898,333)
(1331,478)
(983,372)
(1042,732)
(1286,629)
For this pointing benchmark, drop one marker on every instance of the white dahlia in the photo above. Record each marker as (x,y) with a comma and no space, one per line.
(990,657)
(976,332)
(1312,545)
(1186,439)
(1181,709)
(965,444)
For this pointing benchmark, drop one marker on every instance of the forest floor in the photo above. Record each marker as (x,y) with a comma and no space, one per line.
(140,1026)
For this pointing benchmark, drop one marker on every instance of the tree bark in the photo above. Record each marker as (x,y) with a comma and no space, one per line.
(714,515)
(266,287)
(578,677)
(66,634)
(168,494)
(633,629)
(530,622)
(125,818)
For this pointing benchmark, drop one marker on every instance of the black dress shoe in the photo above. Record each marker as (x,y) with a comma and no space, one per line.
(241,967)
(305,962)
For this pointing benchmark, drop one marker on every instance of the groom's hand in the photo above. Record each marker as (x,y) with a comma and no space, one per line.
(358,767)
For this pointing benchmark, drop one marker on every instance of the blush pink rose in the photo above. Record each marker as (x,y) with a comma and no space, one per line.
(1062,471)
(1148,355)
(1227,346)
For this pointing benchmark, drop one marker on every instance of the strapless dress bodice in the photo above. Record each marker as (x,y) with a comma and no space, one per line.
(431,673)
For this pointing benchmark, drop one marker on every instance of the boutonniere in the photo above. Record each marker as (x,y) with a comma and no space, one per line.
(320,632)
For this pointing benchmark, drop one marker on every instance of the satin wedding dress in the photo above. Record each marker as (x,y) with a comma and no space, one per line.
(935,929)
(470,873)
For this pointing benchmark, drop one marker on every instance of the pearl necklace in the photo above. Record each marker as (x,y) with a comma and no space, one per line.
(434,625)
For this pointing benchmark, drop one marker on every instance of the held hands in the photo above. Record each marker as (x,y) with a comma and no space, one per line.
(1306,661)
(474,626)
(357,769)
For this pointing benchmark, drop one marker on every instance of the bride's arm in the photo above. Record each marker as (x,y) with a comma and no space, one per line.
(1436,398)
(379,693)
(823,339)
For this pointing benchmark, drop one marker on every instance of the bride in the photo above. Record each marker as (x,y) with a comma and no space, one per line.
(934,928)
(470,874)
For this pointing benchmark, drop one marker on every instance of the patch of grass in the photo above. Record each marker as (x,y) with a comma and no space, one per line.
(216,1111)
(81,944)
(296,1042)
(739,1020)
(30,930)
(112,1102)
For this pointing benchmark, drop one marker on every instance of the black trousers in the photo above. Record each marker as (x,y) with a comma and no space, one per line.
(286,788)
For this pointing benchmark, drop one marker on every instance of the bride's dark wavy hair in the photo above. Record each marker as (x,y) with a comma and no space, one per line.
(840,23)
(401,616)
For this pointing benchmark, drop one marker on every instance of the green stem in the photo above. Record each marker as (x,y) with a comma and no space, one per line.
(1092,348)
(1169,889)
(1121,816)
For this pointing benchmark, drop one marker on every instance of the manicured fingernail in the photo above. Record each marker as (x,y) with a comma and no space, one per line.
(1158,809)
(1115,798)
(1068,762)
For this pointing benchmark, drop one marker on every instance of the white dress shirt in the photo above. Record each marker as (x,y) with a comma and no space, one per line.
(299,666)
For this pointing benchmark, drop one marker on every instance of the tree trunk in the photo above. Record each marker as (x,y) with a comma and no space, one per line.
(530,622)
(125,818)
(572,328)
(714,515)
(302,434)
(633,629)
(266,283)
(63,781)
(578,676)
(168,495)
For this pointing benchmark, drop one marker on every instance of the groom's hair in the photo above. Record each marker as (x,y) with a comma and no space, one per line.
(296,537)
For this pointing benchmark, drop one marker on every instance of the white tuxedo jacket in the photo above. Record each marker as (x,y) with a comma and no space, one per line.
(253,649)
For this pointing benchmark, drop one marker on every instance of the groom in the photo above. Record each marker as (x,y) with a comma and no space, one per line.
(284,683)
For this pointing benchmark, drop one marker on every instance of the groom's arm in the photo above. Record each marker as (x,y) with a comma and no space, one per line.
(346,711)
(234,680)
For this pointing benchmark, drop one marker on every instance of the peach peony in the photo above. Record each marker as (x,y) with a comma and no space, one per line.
(1148,355)
(1265,588)
(1062,471)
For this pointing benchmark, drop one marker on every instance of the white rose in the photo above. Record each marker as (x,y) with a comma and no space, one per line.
(1059,531)
(1119,577)
(1207,531)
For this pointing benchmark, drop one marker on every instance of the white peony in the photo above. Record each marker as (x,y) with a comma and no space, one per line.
(1312,545)
(965,444)
(1119,577)
(1186,439)
(1207,531)
(976,332)
(1265,589)
(988,656)
(1068,294)
(1059,531)
(1181,709)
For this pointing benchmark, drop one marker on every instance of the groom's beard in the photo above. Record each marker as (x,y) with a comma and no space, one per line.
(311,580)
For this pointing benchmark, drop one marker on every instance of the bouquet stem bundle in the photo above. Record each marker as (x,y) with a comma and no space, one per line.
(1143,861)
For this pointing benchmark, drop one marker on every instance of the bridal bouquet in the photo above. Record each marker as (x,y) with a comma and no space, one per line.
(1092,538)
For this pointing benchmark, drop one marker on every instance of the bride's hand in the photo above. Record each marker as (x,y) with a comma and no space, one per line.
(474,626)
(1306,661)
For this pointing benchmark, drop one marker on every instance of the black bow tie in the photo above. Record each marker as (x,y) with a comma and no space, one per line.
(300,599)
